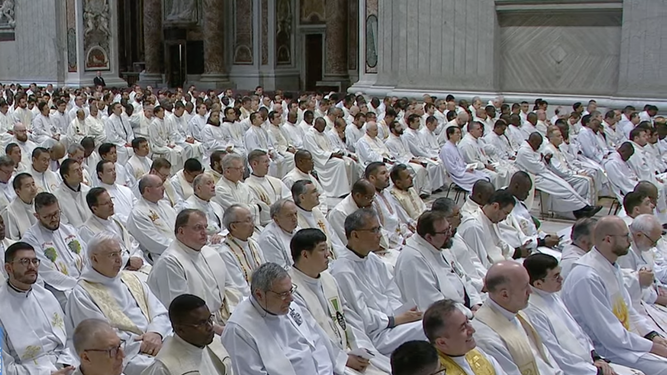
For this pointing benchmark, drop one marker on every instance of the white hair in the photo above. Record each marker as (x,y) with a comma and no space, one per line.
(98,242)
(644,223)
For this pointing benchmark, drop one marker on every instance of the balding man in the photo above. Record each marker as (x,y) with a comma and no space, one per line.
(276,236)
(503,330)
(581,242)
(99,348)
(152,219)
(370,148)
(203,187)
(336,171)
(562,195)
(482,190)
(21,139)
(597,299)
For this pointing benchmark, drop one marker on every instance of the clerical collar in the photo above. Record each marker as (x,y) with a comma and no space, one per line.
(256,176)
(19,291)
(356,253)
(259,306)
(308,277)
(507,314)
(201,200)
(304,210)
(71,188)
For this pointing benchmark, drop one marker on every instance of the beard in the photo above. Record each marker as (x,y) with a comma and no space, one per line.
(26,278)
(620,250)
(448,243)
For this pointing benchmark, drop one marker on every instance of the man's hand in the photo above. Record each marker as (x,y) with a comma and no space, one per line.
(604,366)
(551,241)
(522,251)
(216,239)
(135,264)
(64,371)
(659,349)
(357,363)
(409,316)
(218,329)
(547,158)
(475,308)
(56,137)
(660,341)
(490,167)
(190,140)
(646,277)
(171,146)
(291,149)
(128,144)
(354,157)
(229,149)
(151,343)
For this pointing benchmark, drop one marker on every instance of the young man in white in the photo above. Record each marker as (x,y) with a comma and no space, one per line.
(20,213)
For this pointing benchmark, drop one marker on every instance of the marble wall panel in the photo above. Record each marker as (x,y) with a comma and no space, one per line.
(243,35)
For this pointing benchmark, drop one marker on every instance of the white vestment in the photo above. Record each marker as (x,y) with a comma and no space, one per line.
(296,175)
(372,296)
(178,357)
(152,224)
(34,340)
(473,153)
(597,299)
(138,166)
(213,213)
(123,200)
(18,217)
(180,132)
(409,201)
(119,132)
(260,343)
(267,190)
(371,149)
(228,193)
(315,219)
(196,126)
(425,275)
(130,307)
(484,239)
(27,148)
(275,245)
(257,138)
(62,255)
(336,174)
(295,134)
(586,185)
(163,144)
(467,259)
(458,170)
(73,204)
(570,255)
(43,131)
(241,258)
(181,186)
(426,179)
(46,181)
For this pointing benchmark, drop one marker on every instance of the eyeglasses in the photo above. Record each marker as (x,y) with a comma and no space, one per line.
(51,216)
(374,230)
(653,242)
(627,235)
(112,353)
(26,261)
(201,323)
(249,220)
(284,295)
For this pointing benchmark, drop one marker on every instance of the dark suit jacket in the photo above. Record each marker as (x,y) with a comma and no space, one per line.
(99,81)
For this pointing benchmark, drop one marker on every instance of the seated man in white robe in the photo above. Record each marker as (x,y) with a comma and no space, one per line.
(304,170)
(152,219)
(269,334)
(204,190)
(404,193)
(275,239)
(591,140)
(214,168)
(161,168)
(336,171)
(293,131)
(139,164)
(370,147)
(77,152)
(195,348)
(450,331)
(197,122)
(14,152)
(34,339)
(119,132)
(59,248)
(562,196)
(45,179)
(7,193)
(306,196)
(182,180)
(103,219)
(19,216)
(368,288)
(595,296)
(72,193)
(462,174)
(227,136)
(178,125)
(107,151)
(127,303)
(503,330)
(162,140)
(397,226)
(189,266)
(581,242)
(498,145)
(266,189)
(416,357)
(520,227)
(239,250)
(99,348)
(318,295)
(232,190)
(427,272)
(559,164)
(480,231)
(473,153)
(621,177)
(21,139)
(571,348)
(123,197)
(257,138)
(640,163)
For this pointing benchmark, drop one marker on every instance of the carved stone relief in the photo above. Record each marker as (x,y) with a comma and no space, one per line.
(7,20)
(96,34)
(243,37)
(70,12)
(312,11)
(284,19)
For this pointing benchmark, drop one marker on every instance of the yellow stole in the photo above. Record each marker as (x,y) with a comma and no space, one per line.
(519,347)
(109,307)
(478,363)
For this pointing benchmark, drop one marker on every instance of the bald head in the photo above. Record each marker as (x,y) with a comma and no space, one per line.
(371,128)
(647,188)
(535,140)
(611,237)
(19,127)
(482,191)
(508,285)
(90,332)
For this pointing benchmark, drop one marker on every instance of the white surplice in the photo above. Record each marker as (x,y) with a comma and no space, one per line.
(261,343)
(371,149)
(163,144)
(228,193)
(119,132)
(409,201)
(595,296)
(138,166)
(241,258)
(81,306)
(34,340)
(19,217)
(571,253)
(178,357)
(180,132)
(47,181)
(457,169)
(473,153)
(61,253)
(296,175)
(182,270)
(181,186)
(484,239)
(123,200)
(426,179)
(295,134)
(267,190)
(315,219)
(152,224)
(586,186)
(425,275)
(372,296)
(275,245)
(73,204)
(212,210)
(336,174)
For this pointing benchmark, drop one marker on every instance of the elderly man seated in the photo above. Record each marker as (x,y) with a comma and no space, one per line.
(275,238)
(34,339)
(99,348)
(232,190)
(267,189)
(106,292)
(203,187)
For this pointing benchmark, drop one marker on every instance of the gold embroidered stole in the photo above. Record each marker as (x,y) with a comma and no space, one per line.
(479,364)
(241,257)
(170,193)
(519,347)
(110,308)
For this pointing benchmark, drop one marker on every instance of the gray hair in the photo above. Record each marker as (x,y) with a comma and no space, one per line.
(231,215)
(644,223)
(74,148)
(229,158)
(300,187)
(358,220)
(444,205)
(582,228)
(99,240)
(85,334)
(199,180)
(264,276)
(6,161)
(145,182)
(278,206)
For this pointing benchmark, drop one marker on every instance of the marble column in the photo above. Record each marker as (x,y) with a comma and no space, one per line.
(335,71)
(153,43)
(215,75)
